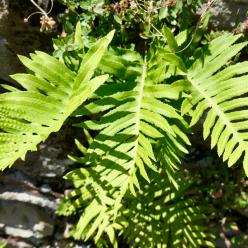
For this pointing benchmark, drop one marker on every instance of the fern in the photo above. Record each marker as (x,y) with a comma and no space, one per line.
(51,93)
(135,118)
(137,114)
(159,215)
(118,187)
(129,182)
(222,95)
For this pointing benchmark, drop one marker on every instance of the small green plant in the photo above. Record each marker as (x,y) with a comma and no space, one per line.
(135,21)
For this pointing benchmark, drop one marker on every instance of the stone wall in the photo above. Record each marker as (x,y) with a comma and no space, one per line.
(29,194)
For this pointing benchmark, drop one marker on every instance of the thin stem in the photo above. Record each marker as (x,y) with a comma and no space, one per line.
(27,18)
(143,7)
(39,8)
(51,8)
(209,5)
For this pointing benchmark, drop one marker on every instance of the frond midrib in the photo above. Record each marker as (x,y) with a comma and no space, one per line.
(220,113)
(137,124)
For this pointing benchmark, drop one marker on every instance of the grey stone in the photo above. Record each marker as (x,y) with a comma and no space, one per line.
(227,13)
(45,188)
(14,243)
(20,219)
(28,197)
(28,184)
(17,179)
(46,164)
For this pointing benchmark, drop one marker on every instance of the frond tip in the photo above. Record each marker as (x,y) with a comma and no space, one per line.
(51,93)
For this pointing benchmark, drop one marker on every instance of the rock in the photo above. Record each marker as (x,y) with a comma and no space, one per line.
(14,243)
(45,188)
(226,13)
(43,229)
(20,219)
(46,165)
(33,212)
(33,187)
(28,197)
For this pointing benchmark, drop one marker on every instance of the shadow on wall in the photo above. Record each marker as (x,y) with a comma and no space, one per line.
(18,37)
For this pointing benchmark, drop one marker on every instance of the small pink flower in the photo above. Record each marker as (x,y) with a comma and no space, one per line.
(126,4)
(245,23)
(116,6)
(47,24)
(63,34)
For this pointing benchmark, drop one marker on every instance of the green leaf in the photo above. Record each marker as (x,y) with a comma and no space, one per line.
(163,13)
(159,216)
(3,245)
(78,35)
(170,39)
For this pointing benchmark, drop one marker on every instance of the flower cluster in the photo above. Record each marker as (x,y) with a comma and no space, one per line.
(47,24)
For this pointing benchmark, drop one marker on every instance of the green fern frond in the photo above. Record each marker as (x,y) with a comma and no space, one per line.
(135,114)
(170,152)
(125,189)
(222,95)
(51,93)
(135,117)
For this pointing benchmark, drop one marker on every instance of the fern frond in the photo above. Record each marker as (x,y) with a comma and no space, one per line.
(52,92)
(135,114)
(222,95)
